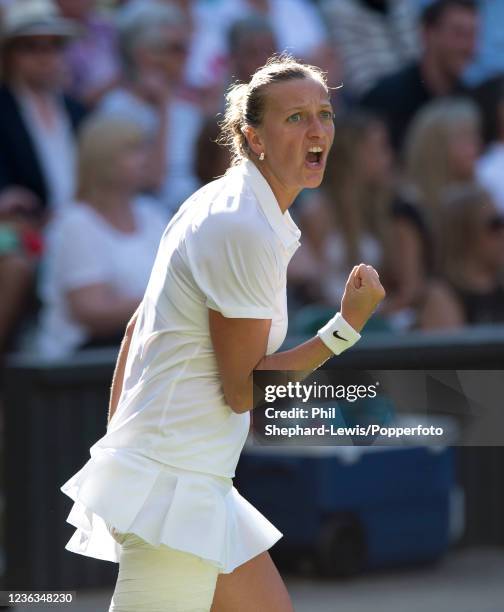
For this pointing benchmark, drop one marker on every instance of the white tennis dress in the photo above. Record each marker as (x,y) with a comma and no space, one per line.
(164,468)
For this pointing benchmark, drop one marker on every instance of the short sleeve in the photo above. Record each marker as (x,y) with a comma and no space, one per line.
(77,251)
(237,269)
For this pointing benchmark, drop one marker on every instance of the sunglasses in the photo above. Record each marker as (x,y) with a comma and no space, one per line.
(34,45)
(177,48)
(495,224)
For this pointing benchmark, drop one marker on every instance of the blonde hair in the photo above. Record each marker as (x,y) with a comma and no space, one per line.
(355,205)
(101,140)
(427,147)
(461,207)
(246,102)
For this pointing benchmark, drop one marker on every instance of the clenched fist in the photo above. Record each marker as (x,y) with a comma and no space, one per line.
(363,293)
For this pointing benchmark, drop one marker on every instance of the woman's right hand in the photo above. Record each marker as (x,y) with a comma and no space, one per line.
(363,293)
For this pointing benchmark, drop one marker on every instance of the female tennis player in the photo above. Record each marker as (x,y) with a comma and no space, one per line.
(157,494)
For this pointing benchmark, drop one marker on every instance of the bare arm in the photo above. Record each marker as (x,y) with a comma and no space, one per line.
(410,272)
(240,344)
(100,309)
(240,347)
(441,309)
(118,377)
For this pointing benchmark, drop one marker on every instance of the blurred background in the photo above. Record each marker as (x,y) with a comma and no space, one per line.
(108,118)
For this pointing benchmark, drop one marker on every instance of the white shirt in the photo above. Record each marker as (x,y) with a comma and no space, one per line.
(490,173)
(84,249)
(297,26)
(55,149)
(184,124)
(227,248)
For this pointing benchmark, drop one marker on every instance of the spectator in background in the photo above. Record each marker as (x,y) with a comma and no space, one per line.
(449,35)
(37,123)
(251,42)
(207,64)
(375,38)
(470,290)
(92,59)
(212,159)
(296,24)
(154,42)
(490,169)
(442,148)
(346,220)
(205,67)
(16,281)
(17,270)
(101,250)
(489,96)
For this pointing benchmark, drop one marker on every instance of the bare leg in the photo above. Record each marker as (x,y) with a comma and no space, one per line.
(252,587)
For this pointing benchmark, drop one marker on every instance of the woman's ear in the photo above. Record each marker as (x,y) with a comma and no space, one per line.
(253,139)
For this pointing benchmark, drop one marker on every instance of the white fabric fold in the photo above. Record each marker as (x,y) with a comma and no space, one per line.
(190,511)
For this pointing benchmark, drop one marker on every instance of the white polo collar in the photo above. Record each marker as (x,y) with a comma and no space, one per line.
(282,223)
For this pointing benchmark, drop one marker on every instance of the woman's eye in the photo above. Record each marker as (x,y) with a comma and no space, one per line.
(295,117)
(327,115)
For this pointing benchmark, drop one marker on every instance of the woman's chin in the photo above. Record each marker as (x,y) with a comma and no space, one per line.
(313,178)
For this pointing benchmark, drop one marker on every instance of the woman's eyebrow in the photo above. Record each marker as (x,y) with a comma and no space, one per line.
(301,107)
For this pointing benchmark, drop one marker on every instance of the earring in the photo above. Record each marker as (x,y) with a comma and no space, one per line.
(261,157)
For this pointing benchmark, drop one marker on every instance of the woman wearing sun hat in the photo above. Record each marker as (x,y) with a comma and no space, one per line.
(37,121)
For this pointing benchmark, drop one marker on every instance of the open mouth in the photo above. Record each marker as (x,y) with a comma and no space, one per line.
(314,158)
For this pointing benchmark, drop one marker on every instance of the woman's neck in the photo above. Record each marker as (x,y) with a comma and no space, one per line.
(285,196)
(115,206)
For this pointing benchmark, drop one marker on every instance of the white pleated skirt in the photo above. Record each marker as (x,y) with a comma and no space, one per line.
(198,513)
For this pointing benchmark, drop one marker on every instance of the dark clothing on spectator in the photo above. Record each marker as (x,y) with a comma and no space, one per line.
(381,6)
(481,308)
(19,164)
(398,97)
(488,96)
(376,38)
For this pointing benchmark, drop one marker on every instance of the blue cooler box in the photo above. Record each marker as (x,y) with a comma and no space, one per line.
(355,507)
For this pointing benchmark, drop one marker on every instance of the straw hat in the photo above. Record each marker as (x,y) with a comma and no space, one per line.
(35,18)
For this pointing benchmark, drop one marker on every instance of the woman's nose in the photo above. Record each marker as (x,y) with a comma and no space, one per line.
(316,126)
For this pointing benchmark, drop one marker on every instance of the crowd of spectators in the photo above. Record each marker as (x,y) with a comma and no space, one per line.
(108,121)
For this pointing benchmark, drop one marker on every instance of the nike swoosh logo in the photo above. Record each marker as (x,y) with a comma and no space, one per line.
(336,335)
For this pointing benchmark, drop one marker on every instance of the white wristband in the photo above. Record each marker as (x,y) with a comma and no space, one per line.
(338,335)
